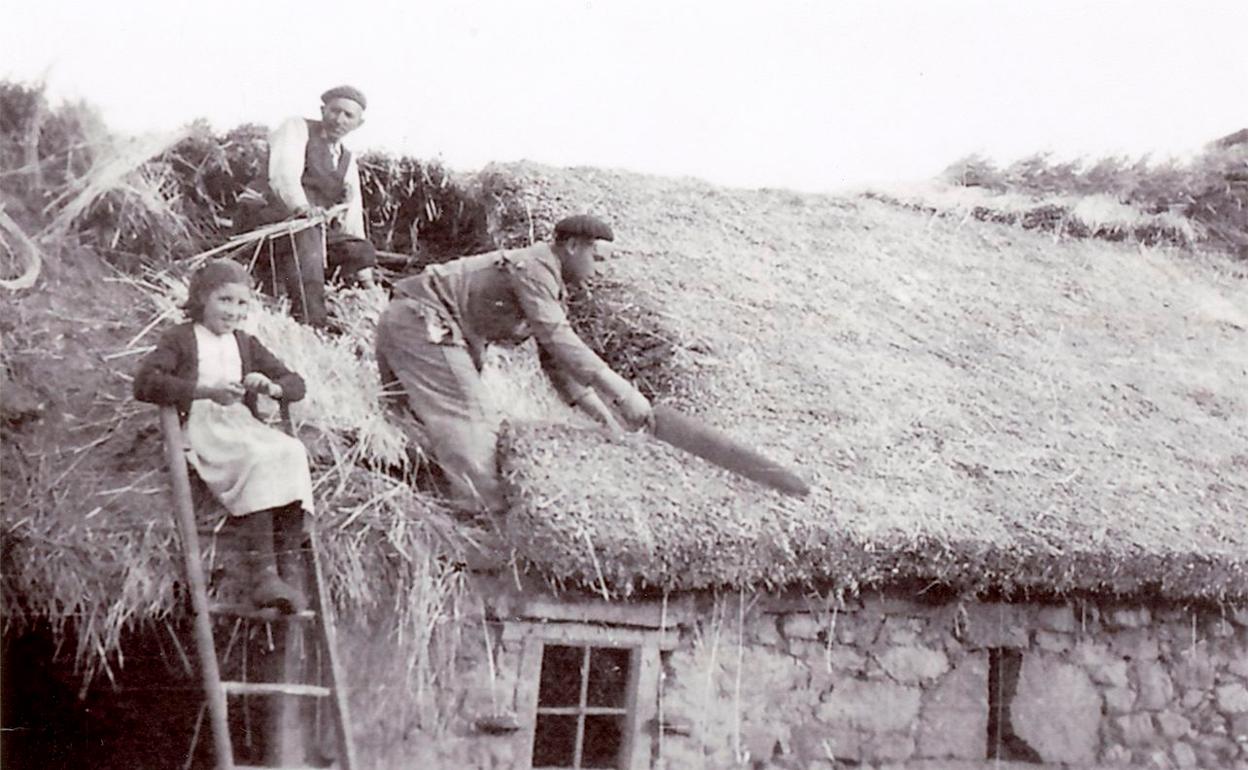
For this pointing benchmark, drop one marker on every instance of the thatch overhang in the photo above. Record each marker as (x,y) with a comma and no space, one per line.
(975,406)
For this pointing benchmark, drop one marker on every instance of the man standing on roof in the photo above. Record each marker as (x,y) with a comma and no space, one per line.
(310,172)
(432,335)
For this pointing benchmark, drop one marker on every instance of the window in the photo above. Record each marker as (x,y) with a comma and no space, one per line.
(588,689)
(583,707)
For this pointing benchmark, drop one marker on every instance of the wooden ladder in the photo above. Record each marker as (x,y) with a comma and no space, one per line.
(319,614)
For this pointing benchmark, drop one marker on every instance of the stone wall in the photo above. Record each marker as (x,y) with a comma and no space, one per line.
(889,682)
(762,682)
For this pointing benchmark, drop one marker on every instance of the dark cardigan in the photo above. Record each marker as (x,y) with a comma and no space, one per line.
(167,375)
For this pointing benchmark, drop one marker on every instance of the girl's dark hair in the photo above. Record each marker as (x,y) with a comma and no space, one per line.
(207,279)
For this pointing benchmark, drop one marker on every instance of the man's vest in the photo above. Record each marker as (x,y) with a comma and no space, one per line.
(323,182)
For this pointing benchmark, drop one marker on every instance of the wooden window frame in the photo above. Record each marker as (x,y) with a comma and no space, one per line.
(640,702)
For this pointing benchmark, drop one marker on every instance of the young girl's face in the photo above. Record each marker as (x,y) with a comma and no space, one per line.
(226,307)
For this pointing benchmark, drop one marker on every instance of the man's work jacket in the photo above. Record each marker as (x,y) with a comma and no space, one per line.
(506,296)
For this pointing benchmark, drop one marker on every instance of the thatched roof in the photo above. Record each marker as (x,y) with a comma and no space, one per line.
(974,405)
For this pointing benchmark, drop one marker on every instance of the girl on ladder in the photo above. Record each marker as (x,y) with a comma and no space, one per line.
(212,371)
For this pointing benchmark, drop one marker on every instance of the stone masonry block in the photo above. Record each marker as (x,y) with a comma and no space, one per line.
(1126,617)
(1173,725)
(1056,709)
(874,707)
(1136,644)
(994,624)
(1195,670)
(1111,673)
(818,745)
(1183,755)
(1137,729)
(912,665)
(1119,700)
(954,720)
(1220,628)
(1060,618)
(1238,661)
(1116,755)
(1155,688)
(897,630)
(1239,731)
(1054,641)
(1232,699)
(764,631)
(893,747)
(803,625)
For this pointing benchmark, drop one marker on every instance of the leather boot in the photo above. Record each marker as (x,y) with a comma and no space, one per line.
(267,587)
(290,540)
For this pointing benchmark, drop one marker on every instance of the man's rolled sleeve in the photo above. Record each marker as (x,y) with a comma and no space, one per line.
(565,385)
(288,146)
(539,292)
(353,221)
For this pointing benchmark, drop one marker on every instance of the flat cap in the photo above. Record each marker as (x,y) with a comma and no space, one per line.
(345,92)
(583,226)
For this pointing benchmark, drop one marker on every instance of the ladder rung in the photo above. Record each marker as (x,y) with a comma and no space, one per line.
(275,688)
(251,613)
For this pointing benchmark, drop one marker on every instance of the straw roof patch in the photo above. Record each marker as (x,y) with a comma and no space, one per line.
(974,405)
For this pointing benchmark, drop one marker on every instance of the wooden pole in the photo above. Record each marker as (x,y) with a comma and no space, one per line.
(185,514)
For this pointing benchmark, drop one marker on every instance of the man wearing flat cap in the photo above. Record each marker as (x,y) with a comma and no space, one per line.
(432,336)
(310,172)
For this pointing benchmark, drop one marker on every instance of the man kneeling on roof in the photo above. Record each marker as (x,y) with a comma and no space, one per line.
(432,336)
(310,172)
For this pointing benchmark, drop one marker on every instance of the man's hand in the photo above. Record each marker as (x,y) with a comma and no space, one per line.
(310,212)
(593,406)
(258,383)
(636,409)
(224,393)
(628,400)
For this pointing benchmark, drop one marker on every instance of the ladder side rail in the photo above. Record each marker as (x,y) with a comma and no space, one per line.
(185,516)
(325,625)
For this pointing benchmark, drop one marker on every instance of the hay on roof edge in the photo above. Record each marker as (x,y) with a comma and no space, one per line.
(631,515)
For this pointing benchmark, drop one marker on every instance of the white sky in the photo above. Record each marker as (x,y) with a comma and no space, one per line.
(812,95)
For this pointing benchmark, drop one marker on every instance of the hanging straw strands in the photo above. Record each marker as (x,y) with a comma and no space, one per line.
(113,171)
(14,240)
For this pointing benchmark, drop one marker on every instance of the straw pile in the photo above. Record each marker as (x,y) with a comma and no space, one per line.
(88,535)
(975,406)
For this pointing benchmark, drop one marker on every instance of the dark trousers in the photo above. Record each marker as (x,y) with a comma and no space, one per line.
(297,266)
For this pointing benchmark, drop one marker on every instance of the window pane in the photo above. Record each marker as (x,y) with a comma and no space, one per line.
(554,740)
(604,736)
(561,676)
(608,676)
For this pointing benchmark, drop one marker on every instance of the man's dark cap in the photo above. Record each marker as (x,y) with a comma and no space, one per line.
(345,92)
(583,226)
